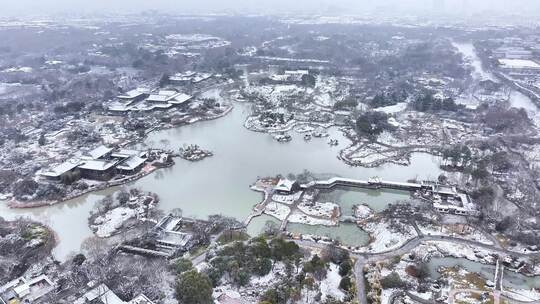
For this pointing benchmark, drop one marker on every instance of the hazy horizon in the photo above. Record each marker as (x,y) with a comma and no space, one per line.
(420,7)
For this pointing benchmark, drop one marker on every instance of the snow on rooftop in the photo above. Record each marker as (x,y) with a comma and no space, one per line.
(99,152)
(103,293)
(125,153)
(519,64)
(284,185)
(133,93)
(157,98)
(297,72)
(175,238)
(118,107)
(131,163)
(163,96)
(141,299)
(97,165)
(147,107)
(180,99)
(61,169)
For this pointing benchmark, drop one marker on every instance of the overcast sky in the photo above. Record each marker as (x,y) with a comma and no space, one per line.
(32,7)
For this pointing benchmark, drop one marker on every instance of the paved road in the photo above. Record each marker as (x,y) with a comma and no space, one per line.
(360,281)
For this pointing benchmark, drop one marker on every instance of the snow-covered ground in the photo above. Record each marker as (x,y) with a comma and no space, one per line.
(325,100)
(107,224)
(252,291)
(393,109)
(327,210)
(476,236)
(330,285)
(299,217)
(462,251)
(278,271)
(384,238)
(363,212)
(525,295)
(286,199)
(386,295)
(277,210)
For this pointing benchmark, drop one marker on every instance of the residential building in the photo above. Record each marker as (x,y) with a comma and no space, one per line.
(98,169)
(519,65)
(24,290)
(286,186)
(131,165)
(189,77)
(102,294)
(101,163)
(135,95)
(56,173)
(101,152)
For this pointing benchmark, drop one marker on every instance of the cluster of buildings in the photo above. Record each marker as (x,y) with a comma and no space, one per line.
(293,76)
(274,73)
(189,78)
(102,294)
(102,164)
(519,62)
(173,236)
(142,100)
(24,290)
(519,65)
(447,199)
(170,237)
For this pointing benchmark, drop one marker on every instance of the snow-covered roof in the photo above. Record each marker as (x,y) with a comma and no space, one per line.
(12,284)
(181,99)
(97,165)
(201,77)
(190,76)
(99,152)
(126,153)
(297,72)
(441,189)
(61,169)
(131,163)
(141,299)
(284,185)
(163,96)
(176,238)
(184,74)
(150,107)
(133,93)
(103,293)
(157,98)
(118,107)
(22,290)
(519,64)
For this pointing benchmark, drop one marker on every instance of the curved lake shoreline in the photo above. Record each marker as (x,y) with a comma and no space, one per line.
(220,185)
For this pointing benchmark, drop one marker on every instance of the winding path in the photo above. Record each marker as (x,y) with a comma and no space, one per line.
(365,258)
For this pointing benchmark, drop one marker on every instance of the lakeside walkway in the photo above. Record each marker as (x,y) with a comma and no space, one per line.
(374,183)
(362,259)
